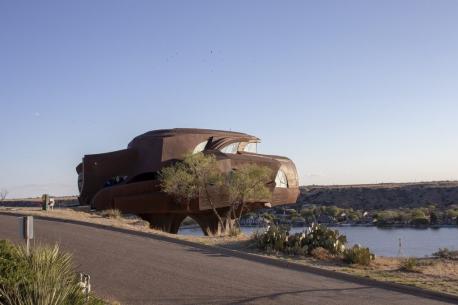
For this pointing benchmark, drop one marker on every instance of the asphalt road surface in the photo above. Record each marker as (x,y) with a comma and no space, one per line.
(140,270)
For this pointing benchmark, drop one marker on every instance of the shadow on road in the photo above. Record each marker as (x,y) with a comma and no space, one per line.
(231,300)
(207,252)
(279,294)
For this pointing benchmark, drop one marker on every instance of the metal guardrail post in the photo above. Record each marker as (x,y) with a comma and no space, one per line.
(26,230)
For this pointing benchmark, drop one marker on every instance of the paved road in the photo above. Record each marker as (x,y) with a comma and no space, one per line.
(140,270)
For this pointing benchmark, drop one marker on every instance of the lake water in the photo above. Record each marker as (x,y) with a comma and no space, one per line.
(385,241)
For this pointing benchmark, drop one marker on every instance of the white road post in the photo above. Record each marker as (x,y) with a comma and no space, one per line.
(26,230)
(85,284)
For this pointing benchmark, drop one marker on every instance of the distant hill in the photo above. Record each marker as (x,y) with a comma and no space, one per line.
(382,196)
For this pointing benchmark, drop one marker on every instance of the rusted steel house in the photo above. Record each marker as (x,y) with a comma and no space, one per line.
(128,179)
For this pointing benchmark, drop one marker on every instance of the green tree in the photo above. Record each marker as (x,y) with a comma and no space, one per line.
(193,177)
(247,184)
(418,213)
(434,217)
(386,217)
(332,211)
(451,213)
(354,215)
(269,217)
(308,214)
(199,175)
(420,221)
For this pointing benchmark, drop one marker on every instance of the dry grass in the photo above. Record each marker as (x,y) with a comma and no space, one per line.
(111,213)
(432,274)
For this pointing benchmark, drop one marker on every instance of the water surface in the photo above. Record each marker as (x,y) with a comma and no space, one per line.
(385,241)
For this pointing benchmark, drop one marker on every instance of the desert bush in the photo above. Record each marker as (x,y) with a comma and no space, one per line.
(294,245)
(321,236)
(409,264)
(452,213)
(358,255)
(320,253)
(46,276)
(446,253)
(420,221)
(332,211)
(272,240)
(111,213)
(277,239)
(386,217)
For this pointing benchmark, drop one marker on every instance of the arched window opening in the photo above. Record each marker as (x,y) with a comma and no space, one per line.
(231,148)
(200,147)
(251,147)
(281,180)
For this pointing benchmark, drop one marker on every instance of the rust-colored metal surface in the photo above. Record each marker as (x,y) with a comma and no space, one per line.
(128,179)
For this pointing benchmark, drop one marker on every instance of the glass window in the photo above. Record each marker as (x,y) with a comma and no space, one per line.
(280,179)
(231,148)
(251,147)
(200,147)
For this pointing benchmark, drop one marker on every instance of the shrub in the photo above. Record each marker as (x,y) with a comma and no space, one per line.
(358,255)
(452,213)
(46,277)
(320,253)
(111,213)
(446,253)
(409,264)
(277,239)
(12,268)
(321,236)
(295,245)
(297,219)
(421,221)
(272,240)
(386,217)
(269,217)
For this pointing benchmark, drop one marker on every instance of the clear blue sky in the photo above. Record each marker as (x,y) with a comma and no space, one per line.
(352,91)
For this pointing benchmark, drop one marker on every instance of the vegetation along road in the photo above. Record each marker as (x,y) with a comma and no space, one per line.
(147,270)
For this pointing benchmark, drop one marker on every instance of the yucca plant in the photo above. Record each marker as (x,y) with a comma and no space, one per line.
(48,279)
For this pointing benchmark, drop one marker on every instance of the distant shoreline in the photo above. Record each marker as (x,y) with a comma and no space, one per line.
(348,225)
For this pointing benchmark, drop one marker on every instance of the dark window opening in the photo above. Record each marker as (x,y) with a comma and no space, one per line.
(145,177)
(115,180)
